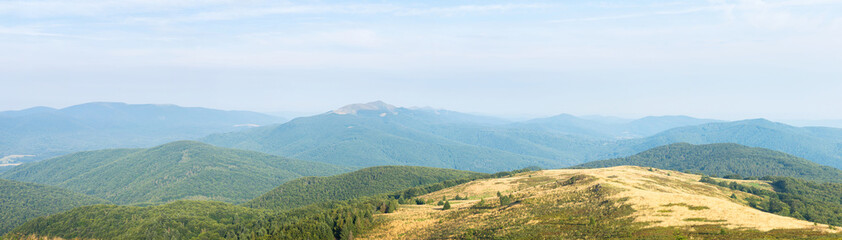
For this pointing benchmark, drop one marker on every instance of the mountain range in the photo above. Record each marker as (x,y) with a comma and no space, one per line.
(43,132)
(377,133)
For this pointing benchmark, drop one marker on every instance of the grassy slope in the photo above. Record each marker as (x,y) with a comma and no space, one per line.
(725,159)
(178,170)
(20,202)
(610,203)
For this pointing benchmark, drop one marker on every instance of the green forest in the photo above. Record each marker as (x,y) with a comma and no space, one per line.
(330,219)
(364,182)
(174,171)
(819,202)
(20,202)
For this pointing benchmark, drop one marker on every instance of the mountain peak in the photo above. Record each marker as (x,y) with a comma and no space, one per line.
(372,106)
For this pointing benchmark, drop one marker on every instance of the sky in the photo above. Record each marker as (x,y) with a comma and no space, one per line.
(714,59)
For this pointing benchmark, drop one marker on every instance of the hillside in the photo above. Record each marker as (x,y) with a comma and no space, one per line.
(376,134)
(173,171)
(329,219)
(608,203)
(723,159)
(21,202)
(47,132)
(364,182)
(177,220)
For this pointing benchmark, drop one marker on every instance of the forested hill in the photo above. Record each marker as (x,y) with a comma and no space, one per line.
(173,171)
(20,202)
(723,159)
(364,182)
(818,144)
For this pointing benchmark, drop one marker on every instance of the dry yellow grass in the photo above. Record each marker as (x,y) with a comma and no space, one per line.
(660,198)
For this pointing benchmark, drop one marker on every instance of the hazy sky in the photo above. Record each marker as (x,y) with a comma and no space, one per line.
(718,59)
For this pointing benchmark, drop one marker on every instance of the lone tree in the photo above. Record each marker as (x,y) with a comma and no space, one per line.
(446,205)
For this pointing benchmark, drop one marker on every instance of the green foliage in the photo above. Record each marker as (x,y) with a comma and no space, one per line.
(364,182)
(725,159)
(178,170)
(595,215)
(802,199)
(20,202)
(505,199)
(190,219)
(446,205)
(177,220)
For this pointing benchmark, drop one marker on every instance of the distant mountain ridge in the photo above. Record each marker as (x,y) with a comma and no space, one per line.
(47,132)
(377,133)
(723,159)
(173,171)
(818,144)
(364,136)
(615,129)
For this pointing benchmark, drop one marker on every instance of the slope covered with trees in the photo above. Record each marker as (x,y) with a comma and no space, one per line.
(802,199)
(20,202)
(331,219)
(724,159)
(173,171)
(364,182)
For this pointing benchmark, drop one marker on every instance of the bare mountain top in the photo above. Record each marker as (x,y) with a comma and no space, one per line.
(372,106)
